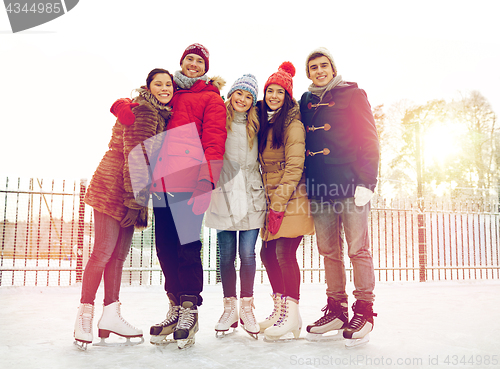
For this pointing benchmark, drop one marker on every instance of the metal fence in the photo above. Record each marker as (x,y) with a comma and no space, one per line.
(47,236)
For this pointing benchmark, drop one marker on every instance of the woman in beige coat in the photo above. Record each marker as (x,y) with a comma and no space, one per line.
(281,154)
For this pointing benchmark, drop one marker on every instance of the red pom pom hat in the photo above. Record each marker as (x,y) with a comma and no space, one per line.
(283,77)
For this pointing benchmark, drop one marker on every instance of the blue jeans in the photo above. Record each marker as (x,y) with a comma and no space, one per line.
(111,247)
(329,217)
(227,257)
(279,256)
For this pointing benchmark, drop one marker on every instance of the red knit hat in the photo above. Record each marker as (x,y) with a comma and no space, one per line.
(199,50)
(283,77)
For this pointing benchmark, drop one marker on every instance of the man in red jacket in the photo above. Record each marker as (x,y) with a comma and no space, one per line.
(186,170)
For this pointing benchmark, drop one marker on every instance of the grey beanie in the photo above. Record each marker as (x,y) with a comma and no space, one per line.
(323,51)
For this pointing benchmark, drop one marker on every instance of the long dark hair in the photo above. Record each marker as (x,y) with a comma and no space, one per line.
(154,72)
(278,123)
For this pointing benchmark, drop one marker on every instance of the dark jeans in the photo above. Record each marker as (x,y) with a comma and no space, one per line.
(227,256)
(180,262)
(280,259)
(111,247)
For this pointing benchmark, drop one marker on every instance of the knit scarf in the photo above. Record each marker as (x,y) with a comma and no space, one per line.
(321,91)
(240,117)
(149,97)
(270,115)
(185,83)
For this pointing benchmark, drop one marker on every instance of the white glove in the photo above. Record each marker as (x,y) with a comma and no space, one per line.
(362,196)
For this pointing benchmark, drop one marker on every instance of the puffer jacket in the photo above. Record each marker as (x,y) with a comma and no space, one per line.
(194,144)
(110,191)
(238,202)
(284,181)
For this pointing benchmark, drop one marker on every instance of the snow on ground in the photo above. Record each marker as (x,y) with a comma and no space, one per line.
(419,325)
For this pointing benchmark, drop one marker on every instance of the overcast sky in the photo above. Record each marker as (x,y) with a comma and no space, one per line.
(58,80)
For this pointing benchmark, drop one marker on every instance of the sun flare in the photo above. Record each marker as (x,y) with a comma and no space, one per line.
(440,143)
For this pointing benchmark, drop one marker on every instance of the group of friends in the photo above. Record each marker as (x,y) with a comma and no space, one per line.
(275,167)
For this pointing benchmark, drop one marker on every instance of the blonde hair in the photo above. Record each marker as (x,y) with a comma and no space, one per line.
(252,125)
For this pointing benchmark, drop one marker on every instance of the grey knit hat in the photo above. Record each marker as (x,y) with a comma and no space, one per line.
(247,83)
(323,51)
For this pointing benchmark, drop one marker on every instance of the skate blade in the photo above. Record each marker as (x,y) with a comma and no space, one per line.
(164,341)
(356,342)
(81,345)
(288,337)
(185,343)
(128,342)
(223,334)
(255,336)
(318,337)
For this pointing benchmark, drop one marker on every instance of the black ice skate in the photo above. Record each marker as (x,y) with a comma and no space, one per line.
(357,332)
(159,332)
(330,326)
(187,326)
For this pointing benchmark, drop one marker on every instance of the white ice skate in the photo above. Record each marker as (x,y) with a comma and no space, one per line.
(83,326)
(289,322)
(275,315)
(247,318)
(187,326)
(112,322)
(159,332)
(228,319)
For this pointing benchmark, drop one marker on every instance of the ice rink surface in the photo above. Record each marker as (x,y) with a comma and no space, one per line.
(448,324)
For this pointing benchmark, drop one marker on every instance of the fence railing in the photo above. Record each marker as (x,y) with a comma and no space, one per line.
(46,237)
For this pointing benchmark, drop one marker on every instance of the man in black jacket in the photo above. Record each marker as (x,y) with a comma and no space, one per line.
(341,173)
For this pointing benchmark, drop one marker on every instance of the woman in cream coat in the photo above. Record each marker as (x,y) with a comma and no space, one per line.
(237,208)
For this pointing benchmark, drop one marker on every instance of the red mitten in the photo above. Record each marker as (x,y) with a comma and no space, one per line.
(275,219)
(122,109)
(201,197)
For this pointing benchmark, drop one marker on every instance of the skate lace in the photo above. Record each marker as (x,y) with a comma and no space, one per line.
(123,319)
(283,313)
(329,315)
(226,313)
(186,318)
(357,322)
(172,316)
(248,316)
(276,308)
(87,318)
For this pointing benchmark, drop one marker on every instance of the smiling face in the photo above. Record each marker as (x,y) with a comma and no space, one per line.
(193,66)
(320,71)
(162,87)
(241,100)
(275,96)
